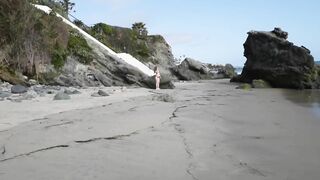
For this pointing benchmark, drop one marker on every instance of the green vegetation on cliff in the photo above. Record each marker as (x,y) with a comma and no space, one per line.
(121,39)
(134,41)
(78,47)
(31,40)
(28,37)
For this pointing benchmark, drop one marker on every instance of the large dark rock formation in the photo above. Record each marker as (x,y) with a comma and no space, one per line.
(274,59)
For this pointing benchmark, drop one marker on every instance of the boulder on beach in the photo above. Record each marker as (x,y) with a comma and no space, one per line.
(61,96)
(272,58)
(102,93)
(18,89)
(222,71)
(4,94)
(164,98)
(191,69)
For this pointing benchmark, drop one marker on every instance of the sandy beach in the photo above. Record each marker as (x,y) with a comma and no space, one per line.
(199,131)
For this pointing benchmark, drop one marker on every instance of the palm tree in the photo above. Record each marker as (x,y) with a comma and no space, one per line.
(140,28)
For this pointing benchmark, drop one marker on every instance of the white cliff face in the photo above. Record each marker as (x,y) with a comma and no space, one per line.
(127,58)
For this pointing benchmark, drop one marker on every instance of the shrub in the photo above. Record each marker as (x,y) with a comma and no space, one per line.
(142,50)
(102,28)
(78,47)
(59,56)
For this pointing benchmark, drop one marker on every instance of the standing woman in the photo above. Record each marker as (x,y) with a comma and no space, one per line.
(157,77)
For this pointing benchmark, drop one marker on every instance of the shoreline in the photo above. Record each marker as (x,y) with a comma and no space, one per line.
(200,130)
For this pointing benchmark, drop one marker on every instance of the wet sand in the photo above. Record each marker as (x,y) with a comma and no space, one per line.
(210,131)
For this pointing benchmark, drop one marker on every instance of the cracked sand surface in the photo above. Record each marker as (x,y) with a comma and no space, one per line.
(210,131)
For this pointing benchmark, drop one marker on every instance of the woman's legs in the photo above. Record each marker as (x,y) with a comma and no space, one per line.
(157,83)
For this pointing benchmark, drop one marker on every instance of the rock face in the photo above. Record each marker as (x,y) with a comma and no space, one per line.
(190,69)
(272,58)
(160,54)
(106,70)
(220,71)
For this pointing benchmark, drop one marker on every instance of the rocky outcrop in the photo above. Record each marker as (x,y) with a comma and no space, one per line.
(272,58)
(107,70)
(149,49)
(160,54)
(98,61)
(191,69)
(222,71)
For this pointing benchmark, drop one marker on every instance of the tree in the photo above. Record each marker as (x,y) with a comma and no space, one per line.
(67,5)
(140,29)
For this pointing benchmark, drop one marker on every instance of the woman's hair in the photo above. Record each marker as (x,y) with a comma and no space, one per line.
(155,68)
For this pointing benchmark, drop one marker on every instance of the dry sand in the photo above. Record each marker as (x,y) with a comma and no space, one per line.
(210,131)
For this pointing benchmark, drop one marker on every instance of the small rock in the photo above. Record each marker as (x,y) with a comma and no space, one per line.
(29,95)
(123,89)
(68,91)
(39,89)
(16,100)
(4,94)
(76,92)
(18,89)
(50,92)
(32,82)
(95,95)
(71,92)
(102,93)
(61,96)
(164,98)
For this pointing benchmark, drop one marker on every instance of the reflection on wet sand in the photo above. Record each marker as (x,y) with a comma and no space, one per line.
(308,98)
